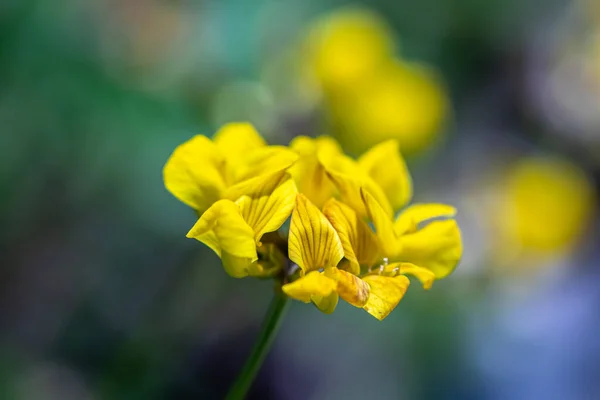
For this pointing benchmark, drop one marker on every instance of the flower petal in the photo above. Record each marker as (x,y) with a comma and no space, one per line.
(223,229)
(384,229)
(358,240)
(384,164)
(349,179)
(194,173)
(350,287)
(309,172)
(240,267)
(265,160)
(259,184)
(438,247)
(313,242)
(385,294)
(326,304)
(312,284)
(265,211)
(425,276)
(265,168)
(237,139)
(412,216)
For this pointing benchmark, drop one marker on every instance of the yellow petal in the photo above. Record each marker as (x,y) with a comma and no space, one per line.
(309,172)
(350,287)
(425,276)
(194,173)
(237,139)
(438,247)
(266,211)
(312,284)
(322,146)
(326,304)
(384,164)
(358,241)
(349,179)
(411,217)
(259,184)
(264,169)
(223,229)
(240,267)
(265,160)
(384,228)
(385,294)
(313,243)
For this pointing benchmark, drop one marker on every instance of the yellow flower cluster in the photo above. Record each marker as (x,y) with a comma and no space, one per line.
(371,93)
(244,192)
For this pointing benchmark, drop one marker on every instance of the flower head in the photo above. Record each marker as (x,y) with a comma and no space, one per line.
(244,192)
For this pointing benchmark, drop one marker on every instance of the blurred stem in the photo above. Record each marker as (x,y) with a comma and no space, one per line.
(262,346)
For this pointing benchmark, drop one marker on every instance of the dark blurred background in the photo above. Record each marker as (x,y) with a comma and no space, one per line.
(497,104)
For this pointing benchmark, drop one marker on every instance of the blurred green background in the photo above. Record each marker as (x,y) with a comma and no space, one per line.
(103,297)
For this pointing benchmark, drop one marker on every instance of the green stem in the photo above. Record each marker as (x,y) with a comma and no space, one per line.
(261,348)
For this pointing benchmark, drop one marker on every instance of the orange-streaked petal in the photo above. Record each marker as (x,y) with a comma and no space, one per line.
(384,164)
(384,228)
(438,247)
(194,173)
(359,241)
(349,179)
(312,284)
(385,294)
(265,211)
(223,229)
(313,242)
(349,286)
(412,216)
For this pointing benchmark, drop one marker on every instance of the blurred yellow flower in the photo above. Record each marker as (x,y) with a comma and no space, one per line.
(545,208)
(343,47)
(331,250)
(402,100)
(370,93)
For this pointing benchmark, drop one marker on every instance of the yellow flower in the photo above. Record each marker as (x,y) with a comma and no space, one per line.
(347,45)
(201,171)
(436,246)
(331,253)
(401,100)
(428,252)
(370,92)
(545,206)
(318,242)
